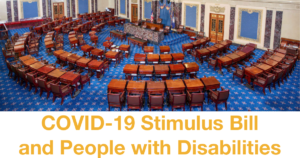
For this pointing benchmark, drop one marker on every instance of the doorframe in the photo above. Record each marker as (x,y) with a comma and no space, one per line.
(138,3)
(216,26)
(130,17)
(53,8)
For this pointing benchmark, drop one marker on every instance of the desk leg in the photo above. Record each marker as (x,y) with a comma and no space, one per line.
(220,69)
(249,83)
(77,91)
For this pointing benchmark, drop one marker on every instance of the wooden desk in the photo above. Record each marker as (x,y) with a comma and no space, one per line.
(36,65)
(117,85)
(271,62)
(97,66)
(241,54)
(136,86)
(175,85)
(191,67)
(276,58)
(197,44)
(30,61)
(72,60)
(137,41)
(111,23)
(153,58)
(194,85)
(264,67)
(251,45)
(221,48)
(83,62)
(156,87)
(55,74)
(161,71)
(164,49)
(280,54)
(176,69)
(19,49)
(157,26)
(248,50)
(146,70)
(97,53)
(190,33)
(118,35)
(73,42)
(46,69)
(20,43)
(86,49)
(149,49)
(140,58)
(235,58)
(24,58)
(112,56)
(187,47)
(165,58)
(210,83)
(70,78)
(251,73)
(226,43)
(130,70)
(125,48)
(178,57)
(63,57)
(224,61)
(49,45)
(282,51)
(107,44)
(201,53)
(57,53)
(213,50)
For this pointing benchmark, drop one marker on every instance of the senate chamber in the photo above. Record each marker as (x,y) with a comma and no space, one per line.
(149,55)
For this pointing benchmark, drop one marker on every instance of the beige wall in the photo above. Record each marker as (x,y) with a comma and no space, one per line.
(290,21)
(102,4)
(291,24)
(3,11)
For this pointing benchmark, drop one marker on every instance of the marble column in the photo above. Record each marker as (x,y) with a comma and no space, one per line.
(277,33)
(231,25)
(73,9)
(157,10)
(44,8)
(127,8)
(117,7)
(96,5)
(16,11)
(202,17)
(268,29)
(8,8)
(154,9)
(141,9)
(92,6)
(49,9)
(177,13)
(68,8)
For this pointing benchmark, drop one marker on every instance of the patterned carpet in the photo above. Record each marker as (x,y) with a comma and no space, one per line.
(14,97)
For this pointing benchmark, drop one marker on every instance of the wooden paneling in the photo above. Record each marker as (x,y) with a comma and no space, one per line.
(58,10)
(216,28)
(134,12)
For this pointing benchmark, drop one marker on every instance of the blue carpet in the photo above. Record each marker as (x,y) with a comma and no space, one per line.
(14,97)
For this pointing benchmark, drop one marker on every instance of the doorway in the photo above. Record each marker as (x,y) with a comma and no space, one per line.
(134,12)
(58,10)
(216,28)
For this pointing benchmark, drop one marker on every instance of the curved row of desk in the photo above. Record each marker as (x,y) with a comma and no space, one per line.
(179,93)
(161,70)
